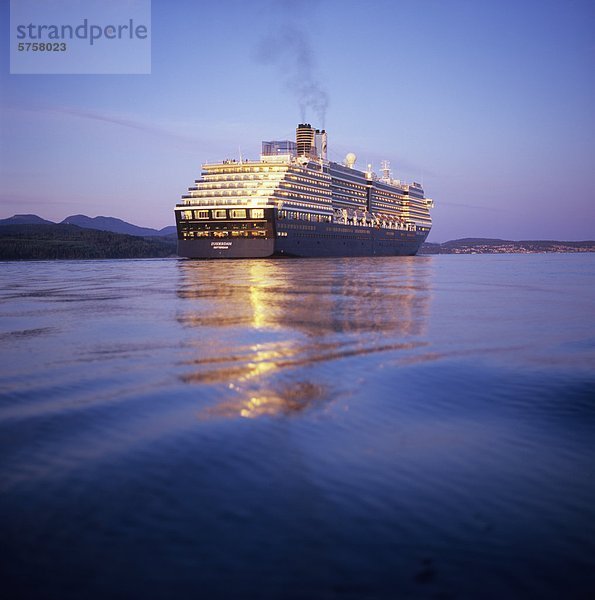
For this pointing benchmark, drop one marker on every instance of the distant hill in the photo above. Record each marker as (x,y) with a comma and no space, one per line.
(169,230)
(115,225)
(497,246)
(101,223)
(60,241)
(25,220)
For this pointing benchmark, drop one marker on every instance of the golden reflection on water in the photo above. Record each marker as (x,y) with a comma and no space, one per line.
(259,327)
(258,298)
(286,400)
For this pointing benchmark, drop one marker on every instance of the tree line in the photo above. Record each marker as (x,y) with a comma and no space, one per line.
(43,242)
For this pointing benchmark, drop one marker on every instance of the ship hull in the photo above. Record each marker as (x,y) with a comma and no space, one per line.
(236,248)
(298,239)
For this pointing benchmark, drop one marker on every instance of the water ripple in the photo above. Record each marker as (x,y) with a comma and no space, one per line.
(412,428)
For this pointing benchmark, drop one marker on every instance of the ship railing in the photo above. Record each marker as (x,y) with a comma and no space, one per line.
(345,217)
(230,201)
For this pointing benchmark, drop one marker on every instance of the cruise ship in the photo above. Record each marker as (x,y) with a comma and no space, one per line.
(294,202)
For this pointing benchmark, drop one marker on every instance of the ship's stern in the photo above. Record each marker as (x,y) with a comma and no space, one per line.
(225,232)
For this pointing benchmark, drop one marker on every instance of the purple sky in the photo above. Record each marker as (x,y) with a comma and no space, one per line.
(490,104)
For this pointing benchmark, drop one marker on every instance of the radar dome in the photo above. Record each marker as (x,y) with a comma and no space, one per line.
(350,160)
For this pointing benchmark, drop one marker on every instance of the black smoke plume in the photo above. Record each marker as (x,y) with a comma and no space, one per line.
(289,50)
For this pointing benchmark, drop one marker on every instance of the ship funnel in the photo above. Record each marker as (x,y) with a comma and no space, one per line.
(305,136)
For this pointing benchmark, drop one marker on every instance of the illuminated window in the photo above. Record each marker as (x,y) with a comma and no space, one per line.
(186,214)
(238,213)
(257,213)
(201,214)
(219,214)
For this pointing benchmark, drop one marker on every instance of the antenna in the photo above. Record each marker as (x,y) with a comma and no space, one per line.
(385,166)
(240,153)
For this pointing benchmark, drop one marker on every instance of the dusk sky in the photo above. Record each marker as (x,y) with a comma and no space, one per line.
(490,104)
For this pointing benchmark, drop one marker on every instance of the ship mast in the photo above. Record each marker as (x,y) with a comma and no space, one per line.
(385,167)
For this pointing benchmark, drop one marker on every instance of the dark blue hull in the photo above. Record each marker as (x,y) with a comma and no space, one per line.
(308,239)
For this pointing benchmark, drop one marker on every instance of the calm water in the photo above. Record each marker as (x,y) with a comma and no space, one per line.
(320,429)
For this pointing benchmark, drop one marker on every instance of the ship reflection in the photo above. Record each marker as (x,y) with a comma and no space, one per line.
(286,400)
(269,336)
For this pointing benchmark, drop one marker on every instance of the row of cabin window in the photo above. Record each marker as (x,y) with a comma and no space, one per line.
(220,234)
(291,214)
(237,213)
